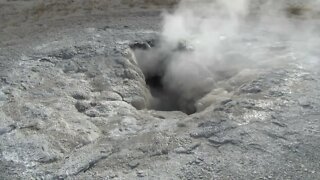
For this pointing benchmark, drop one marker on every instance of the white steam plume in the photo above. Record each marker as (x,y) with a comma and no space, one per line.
(221,38)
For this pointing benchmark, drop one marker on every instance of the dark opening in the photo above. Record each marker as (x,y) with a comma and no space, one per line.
(163,99)
(154,82)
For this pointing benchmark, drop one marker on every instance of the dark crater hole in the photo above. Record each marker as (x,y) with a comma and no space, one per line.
(153,63)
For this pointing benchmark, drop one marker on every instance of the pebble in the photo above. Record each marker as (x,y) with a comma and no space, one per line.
(79,96)
(82,106)
(133,164)
(181,150)
(140,173)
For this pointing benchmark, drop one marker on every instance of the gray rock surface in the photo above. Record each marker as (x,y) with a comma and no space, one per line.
(73,104)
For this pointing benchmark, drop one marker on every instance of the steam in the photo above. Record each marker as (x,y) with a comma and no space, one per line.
(205,42)
(204,26)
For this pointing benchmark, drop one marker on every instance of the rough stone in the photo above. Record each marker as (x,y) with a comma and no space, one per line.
(73,99)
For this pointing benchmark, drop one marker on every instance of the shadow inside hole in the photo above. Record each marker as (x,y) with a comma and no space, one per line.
(154,69)
(164,100)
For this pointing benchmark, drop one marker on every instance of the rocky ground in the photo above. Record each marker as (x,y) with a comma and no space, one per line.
(73,104)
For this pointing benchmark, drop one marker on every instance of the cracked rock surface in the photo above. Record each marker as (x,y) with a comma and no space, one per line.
(73,105)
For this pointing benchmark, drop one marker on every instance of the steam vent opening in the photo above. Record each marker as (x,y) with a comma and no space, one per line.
(153,63)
